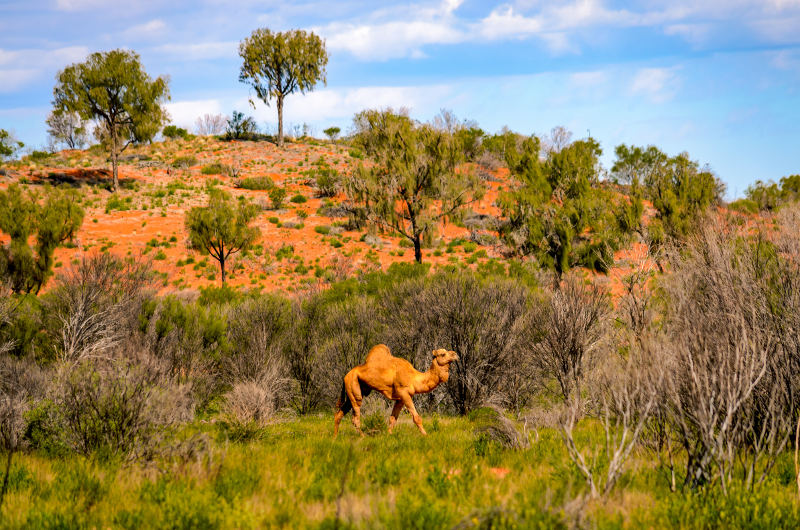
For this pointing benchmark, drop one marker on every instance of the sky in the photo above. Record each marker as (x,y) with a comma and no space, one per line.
(719,79)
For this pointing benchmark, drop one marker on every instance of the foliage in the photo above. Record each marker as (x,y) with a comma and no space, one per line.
(277,196)
(240,127)
(276,64)
(50,219)
(113,88)
(8,145)
(771,196)
(412,184)
(332,133)
(173,132)
(69,128)
(679,189)
(222,228)
(558,212)
(255,183)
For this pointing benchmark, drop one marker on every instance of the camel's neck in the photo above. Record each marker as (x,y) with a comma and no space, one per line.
(427,381)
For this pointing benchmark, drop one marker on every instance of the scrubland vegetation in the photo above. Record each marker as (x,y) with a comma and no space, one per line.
(125,402)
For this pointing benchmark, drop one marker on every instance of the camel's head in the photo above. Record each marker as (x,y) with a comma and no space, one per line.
(444,357)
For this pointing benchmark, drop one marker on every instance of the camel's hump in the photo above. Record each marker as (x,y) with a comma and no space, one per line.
(381,351)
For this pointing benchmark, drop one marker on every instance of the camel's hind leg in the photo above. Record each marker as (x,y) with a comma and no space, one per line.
(343,407)
(353,389)
(398,406)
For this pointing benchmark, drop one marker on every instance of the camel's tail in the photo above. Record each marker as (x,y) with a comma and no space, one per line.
(344,402)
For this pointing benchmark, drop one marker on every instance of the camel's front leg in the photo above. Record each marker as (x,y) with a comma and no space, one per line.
(417,418)
(398,406)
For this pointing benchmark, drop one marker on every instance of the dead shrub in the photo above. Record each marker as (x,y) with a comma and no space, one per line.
(493,424)
(572,328)
(480,320)
(731,328)
(116,406)
(347,331)
(621,396)
(257,331)
(95,305)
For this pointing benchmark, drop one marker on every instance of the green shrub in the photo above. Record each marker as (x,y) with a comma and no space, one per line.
(184,162)
(255,183)
(173,132)
(744,206)
(298,198)
(214,169)
(322,229)
(277,196)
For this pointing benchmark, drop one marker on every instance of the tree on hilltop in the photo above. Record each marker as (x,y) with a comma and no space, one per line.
(113,88)
(277,64)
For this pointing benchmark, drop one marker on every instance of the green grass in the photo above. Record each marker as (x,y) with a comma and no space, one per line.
(292,474)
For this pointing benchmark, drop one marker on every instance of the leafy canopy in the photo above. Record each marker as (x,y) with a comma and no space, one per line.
(113,89)
(679,189)
(8,144)
(222,228)
(276,64)
(559,212)
(46,219)
(412,182)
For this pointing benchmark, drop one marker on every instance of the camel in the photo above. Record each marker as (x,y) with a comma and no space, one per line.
(393,377)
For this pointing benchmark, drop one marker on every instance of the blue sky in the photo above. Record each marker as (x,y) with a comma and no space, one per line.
(716,78)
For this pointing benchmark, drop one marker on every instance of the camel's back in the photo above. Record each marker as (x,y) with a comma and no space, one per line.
(379,354)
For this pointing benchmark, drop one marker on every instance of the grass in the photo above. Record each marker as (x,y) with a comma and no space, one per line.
(292,474)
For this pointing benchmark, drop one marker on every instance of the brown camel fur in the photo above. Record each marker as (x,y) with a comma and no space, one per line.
(393,377)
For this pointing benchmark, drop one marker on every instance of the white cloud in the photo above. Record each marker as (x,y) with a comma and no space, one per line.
(201,50)
(148,30)
(389,40)
(20,68)
(185,113)
(12,80)
(657,84)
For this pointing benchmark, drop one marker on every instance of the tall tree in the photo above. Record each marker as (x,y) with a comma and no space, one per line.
(412,183)
(113,88)
(222,228)
(277,64)
(47,220)
(67,128)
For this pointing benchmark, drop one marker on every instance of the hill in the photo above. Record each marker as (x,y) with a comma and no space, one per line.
(305,241)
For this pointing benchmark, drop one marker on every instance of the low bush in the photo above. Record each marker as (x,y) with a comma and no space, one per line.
(184,162)
(255,183)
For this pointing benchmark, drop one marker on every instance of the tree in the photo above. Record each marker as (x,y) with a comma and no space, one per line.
(679,189)
(113,88)
(413,183)
(559,213)
(222,228)
(240,126)
(208,124)
(277,64)
(68,128)
(49,220)
(332,133)
(174,132)
(8,144)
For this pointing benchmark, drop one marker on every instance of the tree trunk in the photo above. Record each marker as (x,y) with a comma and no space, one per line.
(114,160)
(280,121)
(222,269)
(417,249)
